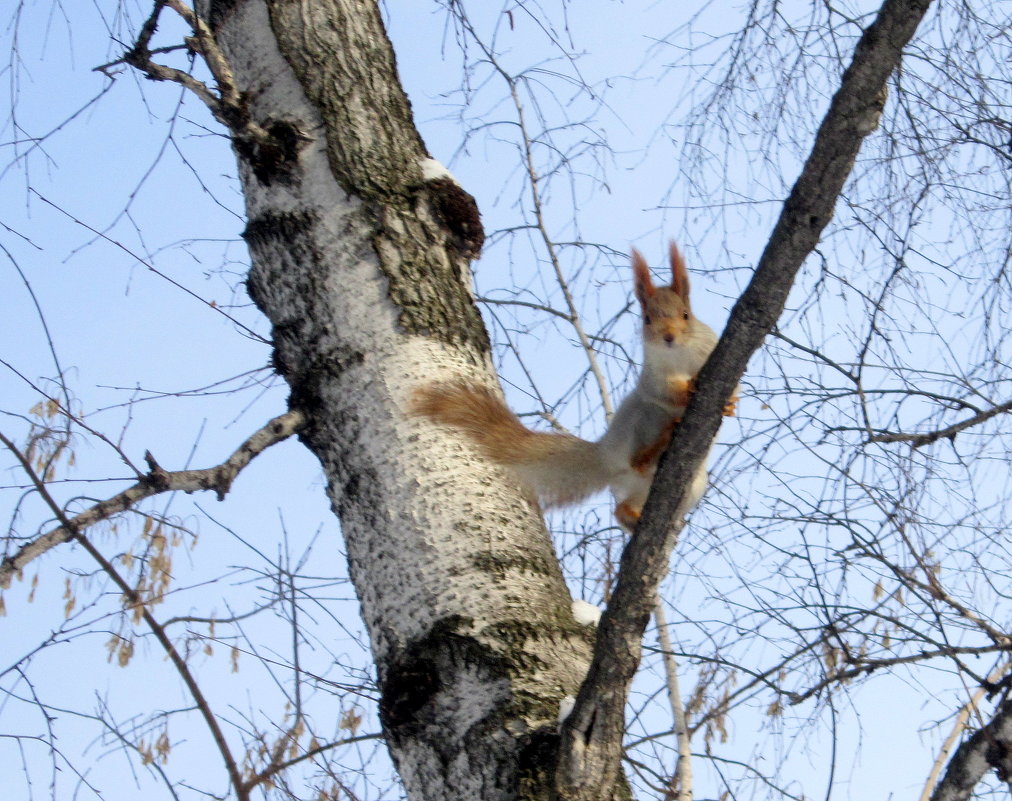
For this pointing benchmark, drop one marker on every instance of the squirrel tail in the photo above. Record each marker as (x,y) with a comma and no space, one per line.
(560,468)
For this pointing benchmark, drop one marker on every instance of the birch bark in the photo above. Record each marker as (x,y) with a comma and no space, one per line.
(358,262)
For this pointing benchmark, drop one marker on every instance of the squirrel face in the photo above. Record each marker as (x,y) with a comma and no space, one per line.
(666,318)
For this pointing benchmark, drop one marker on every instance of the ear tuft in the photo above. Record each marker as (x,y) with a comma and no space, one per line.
(641,276)
(679,272)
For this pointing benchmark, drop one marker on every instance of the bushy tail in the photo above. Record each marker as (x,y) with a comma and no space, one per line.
(561,468)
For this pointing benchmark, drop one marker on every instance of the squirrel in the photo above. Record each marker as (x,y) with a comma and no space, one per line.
(562,468)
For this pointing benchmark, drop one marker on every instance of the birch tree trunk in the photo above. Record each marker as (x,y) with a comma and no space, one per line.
(358,261)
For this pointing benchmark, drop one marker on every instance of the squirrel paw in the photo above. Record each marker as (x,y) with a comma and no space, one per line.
(627,515)
(680,391)
(731,407)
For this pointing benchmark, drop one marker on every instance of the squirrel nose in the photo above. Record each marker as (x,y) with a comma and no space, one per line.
(669,337)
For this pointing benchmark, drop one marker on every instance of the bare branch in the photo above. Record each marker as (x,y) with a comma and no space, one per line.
(681,782)
(949,432)
(866,666)
(134,601)
(574,317)
(278,766)
(140,260)
(157,481)
(227,105)
(541,226)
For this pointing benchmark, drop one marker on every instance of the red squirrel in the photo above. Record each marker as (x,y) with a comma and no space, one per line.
(564,469)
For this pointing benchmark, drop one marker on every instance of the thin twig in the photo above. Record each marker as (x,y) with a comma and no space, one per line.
(135,602)
(140,260)
(574,314)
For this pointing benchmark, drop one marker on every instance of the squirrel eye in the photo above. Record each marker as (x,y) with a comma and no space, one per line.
(646,319)
(685,314)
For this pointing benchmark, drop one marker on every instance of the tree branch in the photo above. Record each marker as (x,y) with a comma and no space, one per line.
(157,481)
(592,734)
(227,105)
(278,766)
(867,666)
(681,780)
(949,432)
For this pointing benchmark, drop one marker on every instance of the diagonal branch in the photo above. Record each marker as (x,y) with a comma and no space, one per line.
(540,224)
(278,766)
(157,481)
(592,735)
(133,600)
(680,787)
(867,666)
(960,725)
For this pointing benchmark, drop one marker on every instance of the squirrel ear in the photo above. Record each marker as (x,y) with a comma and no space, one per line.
(679,273)
(641,276)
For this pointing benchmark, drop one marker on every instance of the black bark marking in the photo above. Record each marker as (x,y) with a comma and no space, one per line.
(537,762)
(271,227)
(218,11)
(273,160)
(412,679)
